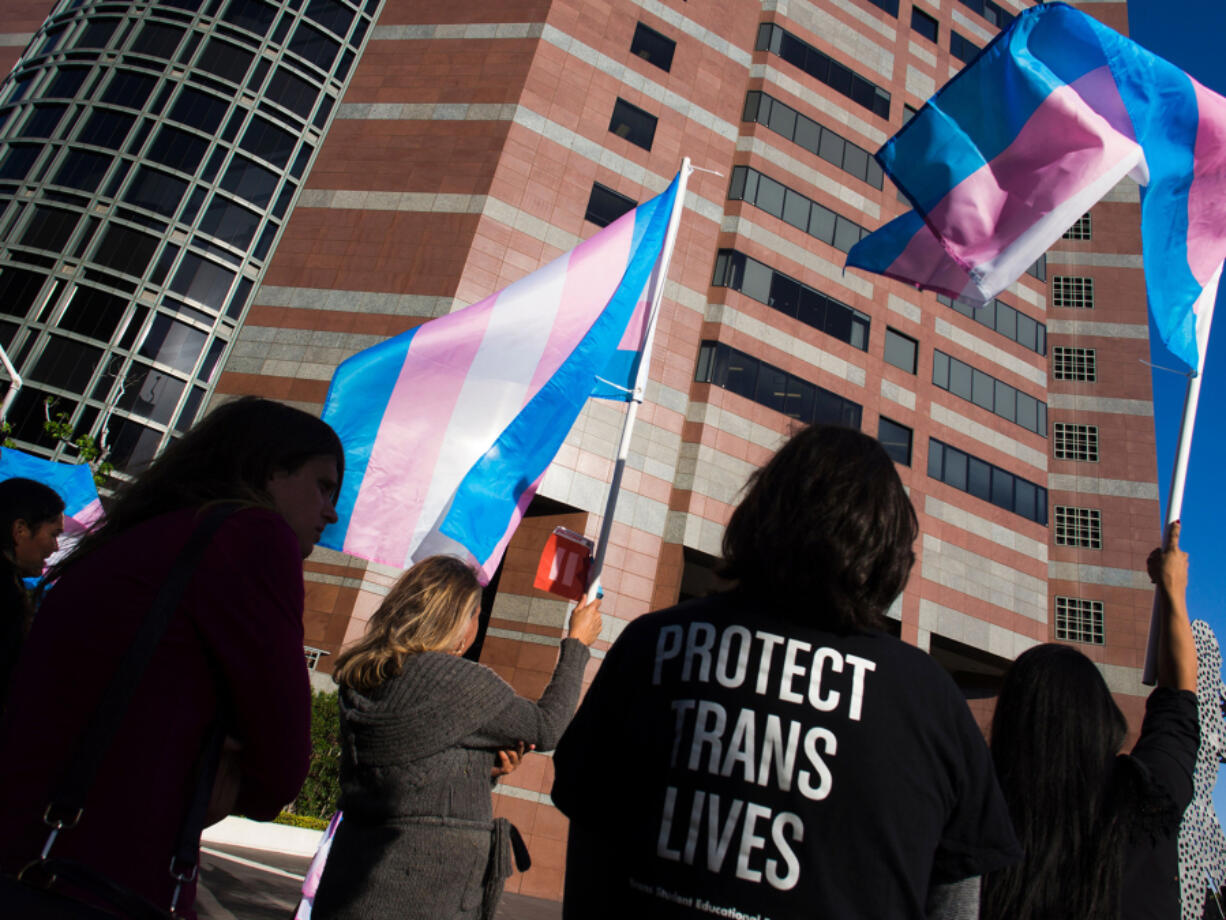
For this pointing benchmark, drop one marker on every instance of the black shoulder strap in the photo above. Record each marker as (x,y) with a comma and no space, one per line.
(68,796)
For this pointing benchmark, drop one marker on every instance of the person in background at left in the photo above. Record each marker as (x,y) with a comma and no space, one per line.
(31,521)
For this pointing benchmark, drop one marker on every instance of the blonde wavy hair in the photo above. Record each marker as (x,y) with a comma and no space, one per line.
(426,611)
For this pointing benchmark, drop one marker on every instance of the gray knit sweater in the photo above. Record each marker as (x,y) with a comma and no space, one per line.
(415,786)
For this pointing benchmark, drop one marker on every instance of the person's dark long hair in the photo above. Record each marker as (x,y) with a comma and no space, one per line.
(36,504)
(1056,735)
(229,456)
(825,530)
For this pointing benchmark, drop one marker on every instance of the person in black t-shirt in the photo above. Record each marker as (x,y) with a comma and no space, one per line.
(1100,830)
(785,757)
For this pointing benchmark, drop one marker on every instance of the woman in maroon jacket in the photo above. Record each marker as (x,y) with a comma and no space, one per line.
(232,652)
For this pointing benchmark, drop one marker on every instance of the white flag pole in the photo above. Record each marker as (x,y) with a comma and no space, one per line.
(15,384)
(1179,475)
(659,275)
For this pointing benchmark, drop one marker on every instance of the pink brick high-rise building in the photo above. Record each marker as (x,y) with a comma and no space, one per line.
(201,198)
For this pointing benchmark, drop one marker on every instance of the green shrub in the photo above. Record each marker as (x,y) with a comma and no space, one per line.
(315,824)
(322,787)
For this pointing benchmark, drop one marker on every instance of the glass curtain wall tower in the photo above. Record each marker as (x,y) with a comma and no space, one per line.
(149,155)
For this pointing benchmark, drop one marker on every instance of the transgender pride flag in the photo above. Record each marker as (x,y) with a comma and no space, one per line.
(448,428)
(73,482)
(1043,123)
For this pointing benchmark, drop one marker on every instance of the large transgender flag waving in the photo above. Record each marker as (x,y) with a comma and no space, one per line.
(448,428)
(1043,123)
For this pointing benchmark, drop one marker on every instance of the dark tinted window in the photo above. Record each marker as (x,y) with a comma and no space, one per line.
(923,24)
(269,142)
(1001,317)
(202,280)
(132,444)
(249,180)
(230,223)
(224,60)
(93,313)
(199,110)
(125,250)
(156,190)
(774,198)
(962,48)
(178,149)
(813,308)
(150,392)
(896,439)
(634,124)
(653,47)
(824,68)
(157,40)
(43,121)
(18,291)
(173,343)
(106,128)
(889,6)
(333,16)
(67,363)
(314,46)
(900,350)
(66,82)
(97,33)
(82,170)
(251,15)
(293,92)
(605,205)
(129,89)
(49,229)
(17,162)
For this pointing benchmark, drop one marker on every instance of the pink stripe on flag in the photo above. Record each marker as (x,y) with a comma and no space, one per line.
(393,492)
(490,565)
(1064,146)
(924,262)
(595,269)
(1207,194)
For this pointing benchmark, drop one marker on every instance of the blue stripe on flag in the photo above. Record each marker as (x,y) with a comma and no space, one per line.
(486,499)
(357,398)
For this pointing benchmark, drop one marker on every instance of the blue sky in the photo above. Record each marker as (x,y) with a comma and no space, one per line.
(1189,33)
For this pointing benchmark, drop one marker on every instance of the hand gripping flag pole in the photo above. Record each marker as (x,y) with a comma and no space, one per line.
(655,294)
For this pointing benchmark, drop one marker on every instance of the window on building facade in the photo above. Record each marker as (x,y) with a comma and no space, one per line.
(896,439)
(653,47)
(1072,363)
(999,316)
(788,205)
(1072,291)
(992,12)
(987,392)
(924,24)
(962,47)
(752,278)
(634,124)
(1075,442)
(887,6)
(1079,620)
(900,350)
(1080,527)
(984,480)
(605,205)
(1081,229)
(814,137)
(769,386)
(824,68)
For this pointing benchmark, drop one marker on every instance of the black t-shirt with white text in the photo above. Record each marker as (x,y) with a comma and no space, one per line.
(768,769)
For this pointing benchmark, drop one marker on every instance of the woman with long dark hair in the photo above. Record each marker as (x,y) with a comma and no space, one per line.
(422,730)
(31,521)
(230,661)
(789,758)
(1099,829)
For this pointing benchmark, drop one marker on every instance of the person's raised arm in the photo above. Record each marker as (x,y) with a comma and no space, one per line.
(1168,569)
